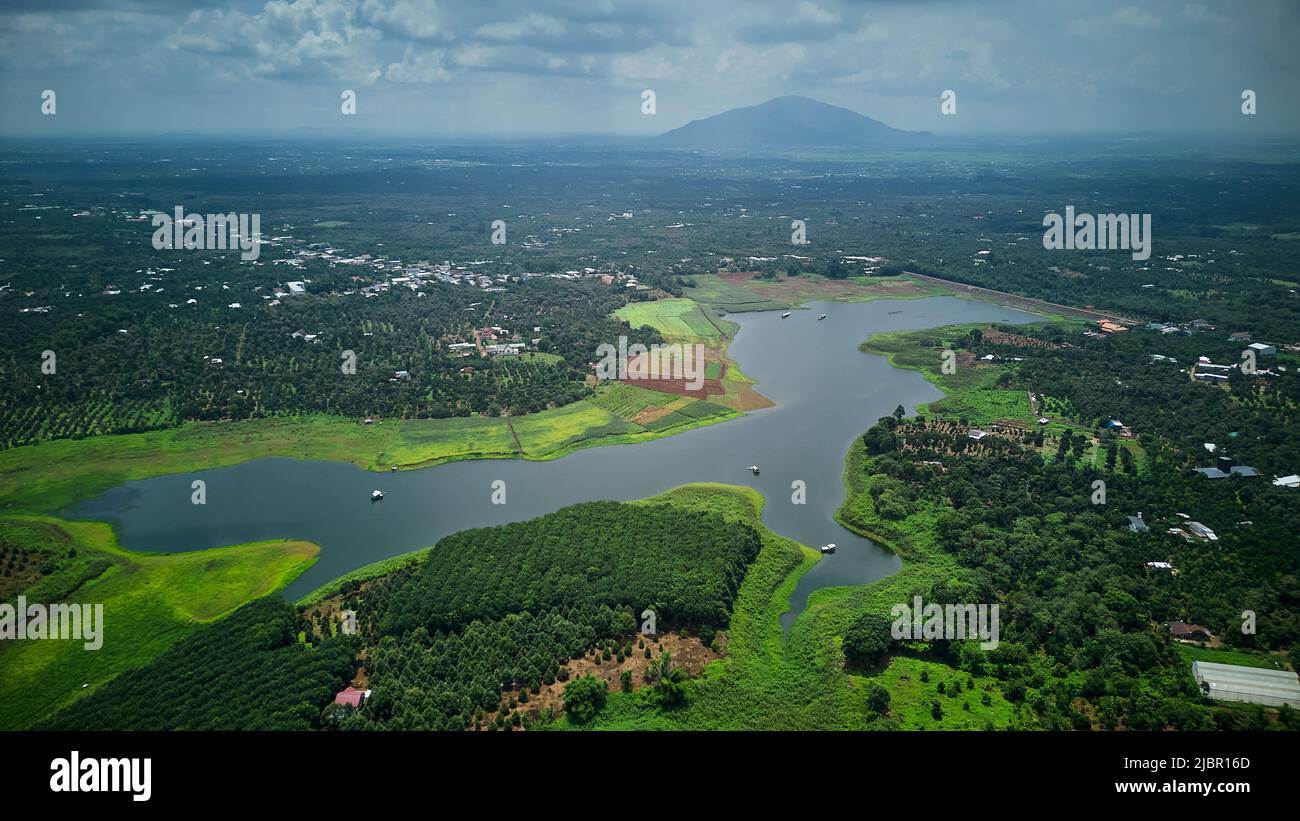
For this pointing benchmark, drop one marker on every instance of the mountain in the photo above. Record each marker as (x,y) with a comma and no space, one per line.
(791,122)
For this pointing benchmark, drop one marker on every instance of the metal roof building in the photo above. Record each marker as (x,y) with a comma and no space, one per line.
(1253,685)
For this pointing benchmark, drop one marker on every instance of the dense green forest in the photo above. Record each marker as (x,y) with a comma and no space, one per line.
(245,672)
(1081,612)
(484,612)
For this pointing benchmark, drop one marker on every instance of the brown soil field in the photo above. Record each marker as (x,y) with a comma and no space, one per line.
(687,654)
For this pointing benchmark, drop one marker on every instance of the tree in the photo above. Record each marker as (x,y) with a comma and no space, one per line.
(899,413)
(867,640)
(877,699)
(583,698)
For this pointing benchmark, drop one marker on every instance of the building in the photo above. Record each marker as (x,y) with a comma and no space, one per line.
(352,697)
(1202,531)
(1261,349)
(977,434)
(1288,481)
(1253,685)
(1183,631)
(1243,470)
(1212,473)
(1136,524)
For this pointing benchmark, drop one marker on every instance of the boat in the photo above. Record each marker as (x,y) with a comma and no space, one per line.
(785,315)
(376,495)
(393,468)
(820,318)
(828,548)
(753,469)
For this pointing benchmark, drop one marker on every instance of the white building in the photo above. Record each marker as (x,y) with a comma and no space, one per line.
(1253,685)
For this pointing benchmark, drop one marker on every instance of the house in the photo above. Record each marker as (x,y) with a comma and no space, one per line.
(1261,349)
(1211,377)
(401,375)
(352,697)
(296,288)
(1136,524)
(1110,327)
(1253,685)
(1239,336)
(1183,631)
(1287,481)
(1202,531)
(1212,473)
(977,434)
(1159,566)
(1243,470)
(1210,446)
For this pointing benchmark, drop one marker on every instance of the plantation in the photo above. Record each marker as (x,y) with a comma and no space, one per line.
(151,601)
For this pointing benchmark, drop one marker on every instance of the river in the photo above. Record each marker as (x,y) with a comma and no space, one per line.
(826,392)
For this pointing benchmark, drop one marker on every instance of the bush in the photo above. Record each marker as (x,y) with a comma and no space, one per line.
(583,698)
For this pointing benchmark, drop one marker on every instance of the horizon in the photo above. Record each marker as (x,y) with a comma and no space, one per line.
(451,69)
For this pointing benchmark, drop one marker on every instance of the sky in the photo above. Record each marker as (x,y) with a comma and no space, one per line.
(449,68)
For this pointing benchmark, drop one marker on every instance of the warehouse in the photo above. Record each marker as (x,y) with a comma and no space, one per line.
(1254,685)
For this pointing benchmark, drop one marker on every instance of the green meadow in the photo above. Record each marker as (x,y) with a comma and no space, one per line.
(51,475)
(150,602)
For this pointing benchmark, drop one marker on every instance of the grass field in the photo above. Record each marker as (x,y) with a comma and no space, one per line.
(736,294)
(51,475)
(150,602)
(676,319)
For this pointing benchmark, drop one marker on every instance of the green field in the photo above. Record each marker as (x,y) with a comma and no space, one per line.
(676,319)
(51,475)
(150,602)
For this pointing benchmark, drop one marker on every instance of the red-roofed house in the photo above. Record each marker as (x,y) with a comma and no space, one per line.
(352,697)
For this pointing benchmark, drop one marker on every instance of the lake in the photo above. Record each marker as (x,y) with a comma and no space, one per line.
(826,393)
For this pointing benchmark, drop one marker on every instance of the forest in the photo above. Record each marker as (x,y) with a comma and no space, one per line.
(245,672)
(485,612)
(1081,612)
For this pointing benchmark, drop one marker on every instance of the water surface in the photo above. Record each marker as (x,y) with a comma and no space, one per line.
(826,390)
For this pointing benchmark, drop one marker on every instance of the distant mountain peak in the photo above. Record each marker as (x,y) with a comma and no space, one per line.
(792,121)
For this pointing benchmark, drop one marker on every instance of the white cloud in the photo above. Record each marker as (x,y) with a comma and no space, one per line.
(1136,17)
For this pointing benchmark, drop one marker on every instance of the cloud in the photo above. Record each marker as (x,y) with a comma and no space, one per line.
(527,27)
(1137,18)
(425,67)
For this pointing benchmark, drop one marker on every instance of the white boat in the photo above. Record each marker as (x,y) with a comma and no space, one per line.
(753,469)
(785,315)
(828,548)
(820,318)
(376,495)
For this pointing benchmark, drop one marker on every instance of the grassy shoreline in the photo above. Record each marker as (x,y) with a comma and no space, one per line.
(150,601)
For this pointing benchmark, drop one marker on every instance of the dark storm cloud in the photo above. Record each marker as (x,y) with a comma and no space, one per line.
(553,66)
